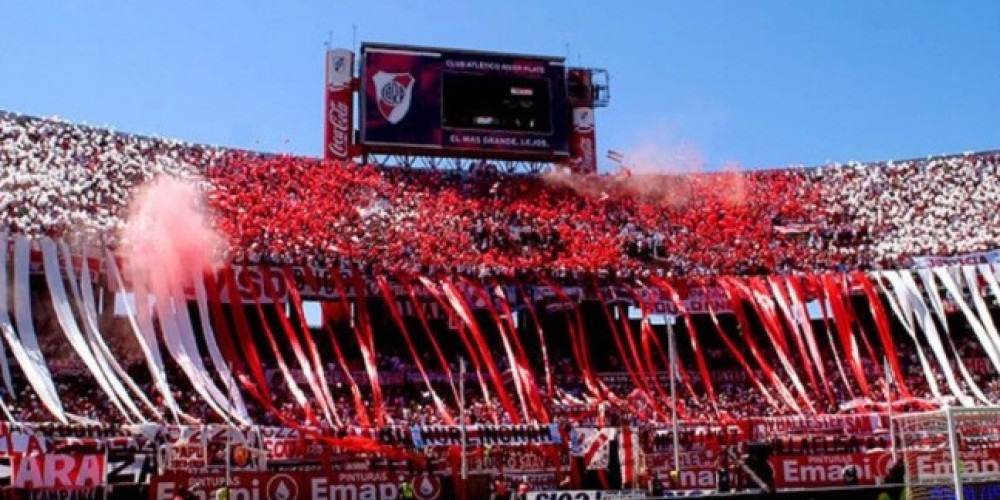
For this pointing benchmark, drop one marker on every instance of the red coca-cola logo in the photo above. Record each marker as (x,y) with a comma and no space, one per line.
(340,124)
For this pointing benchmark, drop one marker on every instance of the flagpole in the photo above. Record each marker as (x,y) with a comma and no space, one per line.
(461,423)
(673,392)
(889,382)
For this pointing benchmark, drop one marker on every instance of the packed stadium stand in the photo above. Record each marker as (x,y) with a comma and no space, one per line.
(813,312)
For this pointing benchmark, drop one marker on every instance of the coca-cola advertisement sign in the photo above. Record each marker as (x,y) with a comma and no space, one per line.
(339,105)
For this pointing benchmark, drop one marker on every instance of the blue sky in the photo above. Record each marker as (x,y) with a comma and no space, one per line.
(762,83)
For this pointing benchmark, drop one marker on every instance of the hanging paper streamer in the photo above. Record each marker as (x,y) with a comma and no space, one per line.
(741,359)
(177,339)
(735,297)
(244,338)
(106,361)
(800,316)
(925,320)
(848,341)
(435,292)
(977,327)
(528,378)
(359,404)
(142,328)
(432,338)
(286,373)
(779,292)
(287,334)
(87,349)
(465,314)
(989,277)
(512,361)
(547,365)
(884,331)
(366,341)
(28,355)
(390,302)
(771,328)
(222,366)
(699,357)
(896,303)
(310,344)
(636,373)
(913,307)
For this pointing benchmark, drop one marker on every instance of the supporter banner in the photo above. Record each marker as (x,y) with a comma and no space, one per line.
(486,435)
(268,284)
(826,444)
(991,257)
(618,380)
(765,428)
(21,439)
(315,485)
(593,445)
(52,471)
(544,466)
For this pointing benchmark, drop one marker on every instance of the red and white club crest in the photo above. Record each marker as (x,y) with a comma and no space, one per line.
(426,487)
(394,94)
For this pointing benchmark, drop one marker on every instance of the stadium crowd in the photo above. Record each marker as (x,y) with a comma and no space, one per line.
(58,178)
(75,181)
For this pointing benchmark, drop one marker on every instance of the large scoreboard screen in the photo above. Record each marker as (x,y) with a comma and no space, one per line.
(418,100)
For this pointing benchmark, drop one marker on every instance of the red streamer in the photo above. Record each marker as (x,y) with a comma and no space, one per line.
(455,297)
(359,404)
(699,357)
(884,331)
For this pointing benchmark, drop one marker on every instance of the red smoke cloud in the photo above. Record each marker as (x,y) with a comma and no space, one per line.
(169,235)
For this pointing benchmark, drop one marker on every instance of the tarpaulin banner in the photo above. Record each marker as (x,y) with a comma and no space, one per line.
(54,471)
(486,435)
(316,485)
(990,257)
(544,466)
(824,471)
(765,428)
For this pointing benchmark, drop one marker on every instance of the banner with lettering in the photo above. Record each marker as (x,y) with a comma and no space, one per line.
(486,435)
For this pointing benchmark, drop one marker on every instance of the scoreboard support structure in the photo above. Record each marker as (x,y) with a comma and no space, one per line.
(425,107)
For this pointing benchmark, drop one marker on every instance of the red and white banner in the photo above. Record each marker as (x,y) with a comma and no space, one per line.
(594,445)
(316,485)
(823,471)
(859,425)
(630,455)
(338,139)
(991,257)
(58,471)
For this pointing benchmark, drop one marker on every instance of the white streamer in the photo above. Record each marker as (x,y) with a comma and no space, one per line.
(26,349)
(905,316)
(83,295)
(923,317)
(64,315)
(213,347)
(142,328)
(932,291)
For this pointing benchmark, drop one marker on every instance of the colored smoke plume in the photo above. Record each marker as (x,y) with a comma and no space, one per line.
(168,234)
(669,175)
